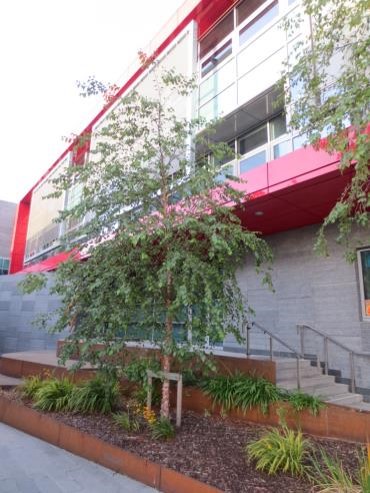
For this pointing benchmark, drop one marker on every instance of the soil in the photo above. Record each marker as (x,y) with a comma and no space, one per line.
(208,448)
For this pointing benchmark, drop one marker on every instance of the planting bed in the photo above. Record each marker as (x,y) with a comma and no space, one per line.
(207,448)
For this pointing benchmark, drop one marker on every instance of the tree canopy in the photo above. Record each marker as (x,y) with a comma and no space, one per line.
(328,97)
(157,228)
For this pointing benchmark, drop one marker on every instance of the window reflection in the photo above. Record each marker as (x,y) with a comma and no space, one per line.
(253,139)
(259,22)
(253,161)
(216,58)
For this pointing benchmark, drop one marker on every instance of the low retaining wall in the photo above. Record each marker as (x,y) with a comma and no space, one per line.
(79,443)
(225,364)
(332,422)
(18,368)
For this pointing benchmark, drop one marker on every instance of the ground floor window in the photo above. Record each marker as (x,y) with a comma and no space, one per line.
(364,269)
(4,266)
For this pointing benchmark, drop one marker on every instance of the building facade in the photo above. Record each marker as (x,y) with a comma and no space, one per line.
(238,49)
(7,217)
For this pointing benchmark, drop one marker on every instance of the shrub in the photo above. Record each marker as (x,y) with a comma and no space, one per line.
(99,394)
(329,475)
(31,385)
(136,372)
(300,401)
(162,429)
(54,395)
(241,391)
(280,450)
(127,421)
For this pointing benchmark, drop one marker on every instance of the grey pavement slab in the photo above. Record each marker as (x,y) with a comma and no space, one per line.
(29,465)
(6,381)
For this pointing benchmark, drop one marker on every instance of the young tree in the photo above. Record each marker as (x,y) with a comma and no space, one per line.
(329,95)
(160,236)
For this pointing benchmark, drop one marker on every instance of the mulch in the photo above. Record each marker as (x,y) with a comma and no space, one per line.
(209,449)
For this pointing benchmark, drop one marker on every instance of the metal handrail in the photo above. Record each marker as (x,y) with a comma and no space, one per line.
(273,337)
(351,353)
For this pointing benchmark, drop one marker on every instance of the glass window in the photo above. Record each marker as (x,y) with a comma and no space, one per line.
(299,141)
(282,148)
(246,8)
(220,105)
(217,82)
(259,22)
(227,154)
(253,161)
(217,34)
(252,140)
(4,266)
(216,58)
(365,281)
(277,126)
(225,172)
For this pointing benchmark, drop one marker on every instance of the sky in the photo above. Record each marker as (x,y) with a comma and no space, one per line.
(45,47)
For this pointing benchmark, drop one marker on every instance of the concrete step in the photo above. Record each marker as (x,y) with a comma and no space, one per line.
(288,373)
(326,392)
(306,382)
(9,382)
(347,399)
(291,363)
(363,406)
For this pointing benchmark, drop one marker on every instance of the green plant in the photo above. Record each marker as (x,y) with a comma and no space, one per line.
(54,395)
(31,385)
(127,421)
(99,394)
(162,429)
(329,475)
(189,378)
(300,401)
(136,370)
(280,450)
(241,391)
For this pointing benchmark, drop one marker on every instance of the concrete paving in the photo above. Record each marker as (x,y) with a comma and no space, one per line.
(6,382)
(29,465)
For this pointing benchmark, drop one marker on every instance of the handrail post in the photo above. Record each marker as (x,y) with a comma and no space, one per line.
(298,374)
(271,350)
(301,335)
(353,375)
(248,341)
(326,355)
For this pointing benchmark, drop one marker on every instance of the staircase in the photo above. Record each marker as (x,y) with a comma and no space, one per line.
(314,382)
(295,368)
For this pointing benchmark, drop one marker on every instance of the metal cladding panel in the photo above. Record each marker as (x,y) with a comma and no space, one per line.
(43,211)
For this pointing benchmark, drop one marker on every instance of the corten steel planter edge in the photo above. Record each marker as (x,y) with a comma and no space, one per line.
(333,421)
(92,448)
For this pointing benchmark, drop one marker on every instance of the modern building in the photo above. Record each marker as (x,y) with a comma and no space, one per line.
(237,50)
(7,217)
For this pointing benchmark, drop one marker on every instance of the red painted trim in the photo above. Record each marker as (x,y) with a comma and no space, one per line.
(18,247)
(206,14)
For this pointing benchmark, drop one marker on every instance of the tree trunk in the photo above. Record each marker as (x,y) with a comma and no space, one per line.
(166,358)
(165,404)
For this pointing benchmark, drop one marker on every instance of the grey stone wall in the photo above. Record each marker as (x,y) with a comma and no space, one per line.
(7,215)
(320,291)
(17,313)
